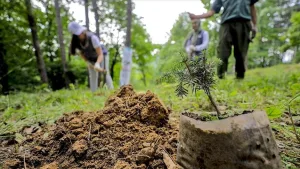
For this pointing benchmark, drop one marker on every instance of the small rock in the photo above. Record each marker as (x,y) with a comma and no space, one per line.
(145,155)
(146,144)
(30,130)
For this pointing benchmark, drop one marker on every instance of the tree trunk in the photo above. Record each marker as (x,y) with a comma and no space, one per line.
(87,20)
(144,76)
(49,31)
(114,62)
(4,88)
(61,42)
(95,9)
(35,41)
(127,53)
(129,19)
(87,24)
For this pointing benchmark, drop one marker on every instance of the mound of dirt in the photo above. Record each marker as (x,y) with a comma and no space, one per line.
(131,132)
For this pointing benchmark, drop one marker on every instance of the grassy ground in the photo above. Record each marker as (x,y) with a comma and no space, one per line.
(269,89)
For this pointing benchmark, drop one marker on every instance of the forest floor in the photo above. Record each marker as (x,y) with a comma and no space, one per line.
(272,89)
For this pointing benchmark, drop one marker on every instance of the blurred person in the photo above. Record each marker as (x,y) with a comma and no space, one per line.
(196,41)
(90,50)
(237,21)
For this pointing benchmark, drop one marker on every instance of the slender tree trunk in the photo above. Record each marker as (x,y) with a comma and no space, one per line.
(296,53)
(35,41)
(87,20)
(49,30)
(4,88)
(207,91)
(127,56)
(101,76)
(129,19)
(144,77)
(61,42)
(114,62)
(95,9)
(87,24)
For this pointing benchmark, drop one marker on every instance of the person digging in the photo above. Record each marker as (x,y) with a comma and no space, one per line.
(238,20)
(90,50)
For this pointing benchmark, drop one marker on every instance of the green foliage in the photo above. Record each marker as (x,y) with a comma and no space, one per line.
(273,23)
(15,38)
(142,56)
(168,53)
(292,36)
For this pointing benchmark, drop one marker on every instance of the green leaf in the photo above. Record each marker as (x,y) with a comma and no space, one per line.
(234,93)
(274,112)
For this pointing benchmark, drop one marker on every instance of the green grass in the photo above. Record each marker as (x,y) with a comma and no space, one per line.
(264,89)
(268,89)
(25,109)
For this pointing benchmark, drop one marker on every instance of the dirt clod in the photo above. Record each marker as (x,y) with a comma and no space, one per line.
(127,133)
(12,163)
(53,165)
(145,155)
(79,147)
(122,165)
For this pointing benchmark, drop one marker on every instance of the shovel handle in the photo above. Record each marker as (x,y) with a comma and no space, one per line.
(100,70)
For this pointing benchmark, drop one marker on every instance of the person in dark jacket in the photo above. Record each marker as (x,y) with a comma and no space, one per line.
(238,20)
(196,41)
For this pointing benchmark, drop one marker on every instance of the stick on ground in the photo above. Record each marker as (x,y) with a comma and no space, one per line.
(168,161)
(290,114)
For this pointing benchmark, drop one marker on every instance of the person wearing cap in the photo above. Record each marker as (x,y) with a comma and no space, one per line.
(90,50)
(235,31)
(196,41)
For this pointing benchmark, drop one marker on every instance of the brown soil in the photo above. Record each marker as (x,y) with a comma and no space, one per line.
(129,133)
(211,117)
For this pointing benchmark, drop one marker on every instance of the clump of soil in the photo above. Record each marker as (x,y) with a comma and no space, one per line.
(129,133)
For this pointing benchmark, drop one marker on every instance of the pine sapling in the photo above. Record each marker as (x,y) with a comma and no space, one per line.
(197,74)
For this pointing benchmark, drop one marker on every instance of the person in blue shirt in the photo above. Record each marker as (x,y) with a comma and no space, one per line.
(196,41)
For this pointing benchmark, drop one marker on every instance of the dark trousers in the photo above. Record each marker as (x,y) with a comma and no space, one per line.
(237,34)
